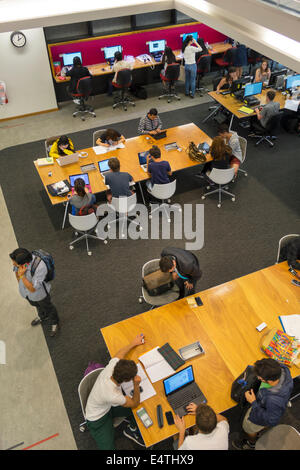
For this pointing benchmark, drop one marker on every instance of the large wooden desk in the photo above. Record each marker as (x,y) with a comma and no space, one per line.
(225,326)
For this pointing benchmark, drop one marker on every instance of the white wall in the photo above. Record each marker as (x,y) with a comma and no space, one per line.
(27,74)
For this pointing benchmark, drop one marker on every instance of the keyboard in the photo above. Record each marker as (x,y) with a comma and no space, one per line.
(171,356)
(183,399)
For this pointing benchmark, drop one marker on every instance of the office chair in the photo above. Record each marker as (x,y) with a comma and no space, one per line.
(221,178)
(203,67)
(157,300)
(96,135)
(253,58)
(217,107)
(280,437)
(163,192)
(266,134)
(243,145)
(124,79)
(171,76)
(49,142)
(122,206)
(227,59)
(283,242)
(84,224)
(83,91)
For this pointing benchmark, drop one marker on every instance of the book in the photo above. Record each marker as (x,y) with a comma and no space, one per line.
(246,110)
(282,347)
(155,365)
(145,384)
(291,325)
(45,161)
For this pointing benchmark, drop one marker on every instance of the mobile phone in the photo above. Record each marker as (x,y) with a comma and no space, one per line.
(144,417)
(294,273)
(296,283)
(169,417)
(198,301)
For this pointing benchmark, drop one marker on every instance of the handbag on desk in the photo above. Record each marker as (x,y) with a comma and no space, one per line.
(195,154)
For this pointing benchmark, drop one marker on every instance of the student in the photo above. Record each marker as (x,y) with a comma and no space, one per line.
(212,430)
(226,82)
(264,114)
(77,72)
(159,169)
(110,137)
(118,181)
(167,58)
(33,288)
(119,64)
(263,72)
(151,123)
(221,154)
(184,267)
(62,146)
(190,47)
(82,196)
(268,406)
(240,59)
(106,400)
(291,253)
(231,138)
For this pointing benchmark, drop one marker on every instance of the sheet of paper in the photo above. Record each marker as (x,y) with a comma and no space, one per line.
(291,325)
(99,150)
(156,366)
(2,353)
(147,388)
(292,105)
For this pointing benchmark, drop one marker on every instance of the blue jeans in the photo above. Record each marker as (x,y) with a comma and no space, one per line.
(190,78)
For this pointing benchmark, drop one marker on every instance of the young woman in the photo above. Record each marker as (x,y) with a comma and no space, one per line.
(77,72)
(62,146)
(189,48)
(167,58)
(221,154)
(226,82)
(82,197)
(110,137)
(263,72)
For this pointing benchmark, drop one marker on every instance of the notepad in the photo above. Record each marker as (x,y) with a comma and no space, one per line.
(99,150)
(156,366)
(246,110)
(291,325)
(45,161)
(147,389)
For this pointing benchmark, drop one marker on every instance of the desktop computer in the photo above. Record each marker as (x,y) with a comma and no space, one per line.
(109,53)
(238,86)
(277,79)
(293,81)
(68,58)
(156,49)
(195,36)
(249,91)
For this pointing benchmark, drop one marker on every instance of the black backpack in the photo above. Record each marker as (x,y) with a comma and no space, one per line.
(247,380)
(42,255)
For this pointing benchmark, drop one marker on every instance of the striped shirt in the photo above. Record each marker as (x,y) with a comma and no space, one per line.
(146,125)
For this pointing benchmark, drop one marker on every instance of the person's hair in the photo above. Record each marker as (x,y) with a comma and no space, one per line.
(155,151)
(206,419)
(114,164)
(165,264)
(223,128)
(124,371)
(267,369)
(264,59)
(118,56)
(271,94)
(63,140)
(111,134)
(219,148)
(188,39)
(79,187)
(153,112)
(230,71)
(77,61)
(168,56)
(21,256)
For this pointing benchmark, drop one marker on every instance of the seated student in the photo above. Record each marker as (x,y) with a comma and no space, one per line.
(110,137)
(167,58)
(184,267)
(62,146)
(212,430)
(263,72)
(151,123)
(226,82)
(268,406)
(291,253)
(264,114)
(119,64)
(77,72)
(117,180)
(231,138)
(106,400)
(221,154)
(82,196)
(159,169)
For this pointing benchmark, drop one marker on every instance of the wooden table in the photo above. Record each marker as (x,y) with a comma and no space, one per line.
(225,326)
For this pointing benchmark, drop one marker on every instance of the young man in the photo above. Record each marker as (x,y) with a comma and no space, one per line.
(118,181)
(33,287)
(270,403)
(106,400)
(231,138)
(184,267)
(212,430)
(264,114)
(150,124)
(159,169)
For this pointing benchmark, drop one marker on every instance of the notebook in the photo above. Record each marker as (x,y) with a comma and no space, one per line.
(155,365)
(246,110)
(45,161)
(291,325)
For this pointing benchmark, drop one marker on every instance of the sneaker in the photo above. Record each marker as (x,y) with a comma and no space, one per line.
(36,321)
(54,330)
(134,435)
(243,444)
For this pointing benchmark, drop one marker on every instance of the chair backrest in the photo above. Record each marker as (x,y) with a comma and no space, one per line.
(49,142)
(124,77)
(172,72)
(124,204)
(84,86)
(150,267)
(85,387)
(204,64)
(163,191)
(243,145)
(273,123)
(284,241)
(83,222)
(220,176)
(280,437)
(96,135)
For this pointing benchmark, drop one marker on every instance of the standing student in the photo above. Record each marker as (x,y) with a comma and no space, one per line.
(34,288)
(190,47)
(159,169)
(231,138)
(263,73)
(62,146)
(240,59)
(151,123)
(110,137)
(118,181)
(77,72)
(82,196)
(106,400)
(226,82)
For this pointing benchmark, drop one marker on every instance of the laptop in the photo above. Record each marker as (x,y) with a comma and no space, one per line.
(103,168)
(143,159)
(181,390)
(161,135)
(84,176)
(68,159)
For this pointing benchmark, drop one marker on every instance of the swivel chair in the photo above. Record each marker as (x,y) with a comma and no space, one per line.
(83,91)
(221,178)
(124,79)
(266,134)
(171,76)
(203,67)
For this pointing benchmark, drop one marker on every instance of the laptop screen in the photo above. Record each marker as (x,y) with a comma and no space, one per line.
(84,176)
(157,46)
(143,157)
(179,380)
(253,89)
(103,165)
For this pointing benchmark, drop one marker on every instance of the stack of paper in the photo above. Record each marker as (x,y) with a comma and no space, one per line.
(100,149)
(156,366)
(291,325)
(45,161)
(147,389)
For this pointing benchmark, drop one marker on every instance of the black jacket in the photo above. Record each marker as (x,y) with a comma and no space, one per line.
(291,252)
(76,73)
(186,262)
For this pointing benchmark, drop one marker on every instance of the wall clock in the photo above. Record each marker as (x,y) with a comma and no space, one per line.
(18,39)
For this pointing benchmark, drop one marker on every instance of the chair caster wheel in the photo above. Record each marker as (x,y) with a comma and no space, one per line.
(233,199)
(82,428)
(108,227)
(140,300)
(169,220)
(71,247)
(89,253)
(150,216)
(105,242)
(246,174)
(219,205)
(202,197)
(207,187)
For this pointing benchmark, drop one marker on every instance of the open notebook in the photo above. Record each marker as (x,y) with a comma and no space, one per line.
(99,150)
(156,366)
(146,386)
(291,325)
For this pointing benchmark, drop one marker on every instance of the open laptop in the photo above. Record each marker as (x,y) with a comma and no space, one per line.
(68,159)
(181,390)
(161,135)
(104,168)
(84,176)
(143,159)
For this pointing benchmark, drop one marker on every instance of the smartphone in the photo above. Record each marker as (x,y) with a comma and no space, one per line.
(294,273)
(144,417)
(295,282)
(169,417)
(198,301)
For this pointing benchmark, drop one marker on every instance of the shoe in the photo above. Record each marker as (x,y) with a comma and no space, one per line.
(134,435)
(192,96)
(54,329)
(187,94)
(36,321)
(243,444)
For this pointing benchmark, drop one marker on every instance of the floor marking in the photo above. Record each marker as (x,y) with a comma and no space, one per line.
(13,447)
(40,442)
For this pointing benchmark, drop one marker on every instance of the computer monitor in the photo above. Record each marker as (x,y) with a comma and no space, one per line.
(68,57)
(157,46)
(276,74)
(195,36)
(109,52)
(253,89)
(292,81)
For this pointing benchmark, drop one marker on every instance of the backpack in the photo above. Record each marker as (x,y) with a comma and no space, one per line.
(247,380)
(86,210)
(139,91)
(42,255)
(157,283)
(92,365)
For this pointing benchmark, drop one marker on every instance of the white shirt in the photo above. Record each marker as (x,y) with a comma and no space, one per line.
(120,65)
(189,54)
(105,394)
(216,440)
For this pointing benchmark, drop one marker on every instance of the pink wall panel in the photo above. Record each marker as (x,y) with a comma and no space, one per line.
(134,43)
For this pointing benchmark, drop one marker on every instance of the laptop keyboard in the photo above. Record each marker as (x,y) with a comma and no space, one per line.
(183,398)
